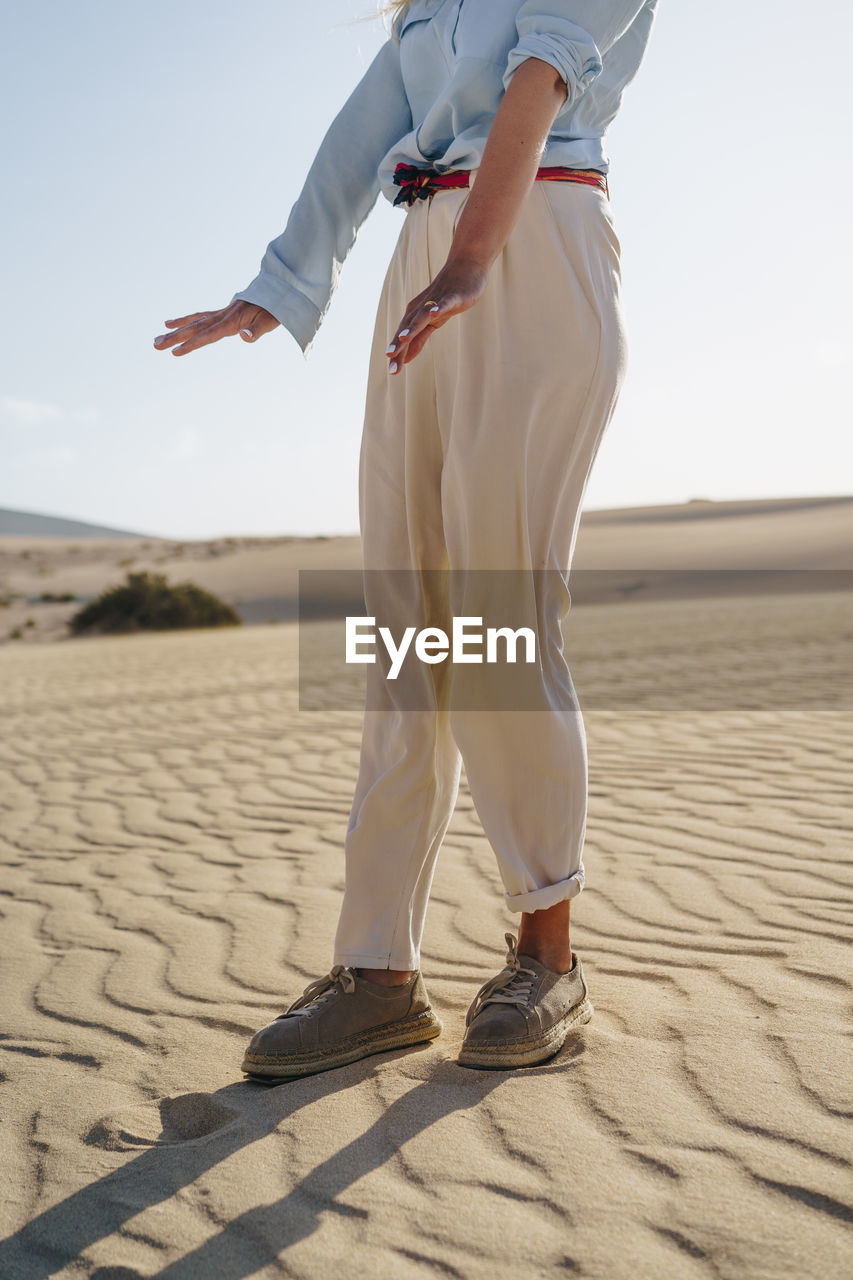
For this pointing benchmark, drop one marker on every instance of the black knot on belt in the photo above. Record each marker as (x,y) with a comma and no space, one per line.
(415,183)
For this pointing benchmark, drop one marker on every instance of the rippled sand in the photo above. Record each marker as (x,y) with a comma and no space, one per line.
(171,846)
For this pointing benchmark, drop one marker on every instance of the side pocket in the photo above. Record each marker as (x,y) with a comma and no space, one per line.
(611,228)
(458,213)
(586,219)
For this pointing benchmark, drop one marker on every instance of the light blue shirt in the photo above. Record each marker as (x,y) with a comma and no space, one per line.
(428,99)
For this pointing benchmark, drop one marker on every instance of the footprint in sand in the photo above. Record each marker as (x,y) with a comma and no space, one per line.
(161,1124)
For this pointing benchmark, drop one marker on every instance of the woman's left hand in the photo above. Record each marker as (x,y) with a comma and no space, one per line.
(457,287)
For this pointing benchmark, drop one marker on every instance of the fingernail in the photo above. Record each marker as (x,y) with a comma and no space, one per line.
(390,348)
(247,333)
(403,332)
(392,368)
(161,337)
(435,308)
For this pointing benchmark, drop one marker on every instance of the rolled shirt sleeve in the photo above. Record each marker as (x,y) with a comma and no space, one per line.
(301,267)
(573,36)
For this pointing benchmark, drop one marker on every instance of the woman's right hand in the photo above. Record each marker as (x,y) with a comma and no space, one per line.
(203,327)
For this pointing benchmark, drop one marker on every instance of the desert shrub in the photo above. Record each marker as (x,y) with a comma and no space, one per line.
(56,597)
(147,602)
(16,634)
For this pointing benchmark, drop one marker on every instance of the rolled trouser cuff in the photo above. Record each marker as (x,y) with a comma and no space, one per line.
(541,899)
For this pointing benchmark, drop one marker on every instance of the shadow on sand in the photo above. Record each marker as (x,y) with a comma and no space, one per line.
(251,1111)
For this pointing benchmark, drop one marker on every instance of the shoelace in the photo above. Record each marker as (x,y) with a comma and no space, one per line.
(317,993)
(513,985)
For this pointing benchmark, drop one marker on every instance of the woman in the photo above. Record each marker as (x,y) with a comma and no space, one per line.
(497,359)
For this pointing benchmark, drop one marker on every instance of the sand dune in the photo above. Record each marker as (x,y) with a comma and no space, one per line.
(171,829)
(698,549)
(33,524)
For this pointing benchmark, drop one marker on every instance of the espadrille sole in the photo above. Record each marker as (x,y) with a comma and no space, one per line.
(526,1053)
(413,1030)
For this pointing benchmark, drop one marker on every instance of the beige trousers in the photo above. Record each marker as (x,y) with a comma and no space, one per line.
(477,456)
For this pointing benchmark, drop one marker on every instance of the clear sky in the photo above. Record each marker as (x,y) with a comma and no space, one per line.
(151,150)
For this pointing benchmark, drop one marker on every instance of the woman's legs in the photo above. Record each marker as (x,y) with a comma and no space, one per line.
(476,458)
(525,390)
(409,765)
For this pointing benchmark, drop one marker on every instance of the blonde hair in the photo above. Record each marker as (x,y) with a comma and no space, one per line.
(395,7)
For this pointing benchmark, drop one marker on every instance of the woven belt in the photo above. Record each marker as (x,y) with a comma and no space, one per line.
(417,184)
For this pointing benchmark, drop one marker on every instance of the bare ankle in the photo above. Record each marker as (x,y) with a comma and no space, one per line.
(544,935)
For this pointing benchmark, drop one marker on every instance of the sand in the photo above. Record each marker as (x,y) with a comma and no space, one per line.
(171,828)
(648,553)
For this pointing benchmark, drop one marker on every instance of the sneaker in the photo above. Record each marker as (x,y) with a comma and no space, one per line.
(523,1015)
(339,1019)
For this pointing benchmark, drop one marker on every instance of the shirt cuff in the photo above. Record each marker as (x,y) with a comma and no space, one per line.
(291,308)
(578,65)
